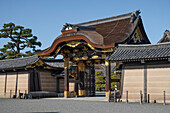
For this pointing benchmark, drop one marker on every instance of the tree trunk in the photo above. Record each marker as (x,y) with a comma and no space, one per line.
(17,45)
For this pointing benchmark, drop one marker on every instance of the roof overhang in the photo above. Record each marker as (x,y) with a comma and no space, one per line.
(93,39)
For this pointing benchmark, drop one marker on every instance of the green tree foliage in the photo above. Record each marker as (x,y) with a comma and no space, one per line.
(113,76)
(100,81)
(20,38)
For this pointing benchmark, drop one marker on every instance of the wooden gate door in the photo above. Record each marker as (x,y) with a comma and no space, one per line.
(89,81)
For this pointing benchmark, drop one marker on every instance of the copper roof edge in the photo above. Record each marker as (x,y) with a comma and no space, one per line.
(134,45)
(20,58)
(104,20)
(166,33)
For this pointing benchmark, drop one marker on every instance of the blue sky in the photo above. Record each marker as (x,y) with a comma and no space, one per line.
(46,17)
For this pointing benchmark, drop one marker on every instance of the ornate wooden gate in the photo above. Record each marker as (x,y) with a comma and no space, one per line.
(89,80)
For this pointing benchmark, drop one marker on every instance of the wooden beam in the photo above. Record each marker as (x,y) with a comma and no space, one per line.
(107,71)
(57,85)
(145,83)
(5,83)
(81,69)
(75,81)
(66,77)
(16,85)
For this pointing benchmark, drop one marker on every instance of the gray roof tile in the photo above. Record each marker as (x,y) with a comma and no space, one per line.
(135,52)
(22,62)
(19,62)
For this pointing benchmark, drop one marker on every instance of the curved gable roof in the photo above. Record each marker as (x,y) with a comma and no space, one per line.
(108,31)
(166,37)
(117,29)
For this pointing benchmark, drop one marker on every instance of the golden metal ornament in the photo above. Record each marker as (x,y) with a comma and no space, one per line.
(106,62)
(108,50)
(73,44)
(85,57)
(90,46)
(95,57)
(75,50)
(76,58)
(58,49)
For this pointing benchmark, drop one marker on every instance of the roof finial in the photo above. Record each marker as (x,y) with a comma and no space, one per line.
(134,15)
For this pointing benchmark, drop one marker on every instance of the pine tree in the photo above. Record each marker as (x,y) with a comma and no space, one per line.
(20,39)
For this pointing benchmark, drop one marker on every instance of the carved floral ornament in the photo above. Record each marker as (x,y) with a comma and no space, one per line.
(75,43)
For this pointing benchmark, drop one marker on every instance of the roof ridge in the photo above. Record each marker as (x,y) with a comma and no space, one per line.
(127,15)
(142,45)
(19,58)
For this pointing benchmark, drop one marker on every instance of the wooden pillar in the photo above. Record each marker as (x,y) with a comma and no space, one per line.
(76,84)
(92,79)
(107,72)
(145,83)
(57,85)
(16,86)
(118,83)
(5,84)
(81,67)
(66,77)
(75,89)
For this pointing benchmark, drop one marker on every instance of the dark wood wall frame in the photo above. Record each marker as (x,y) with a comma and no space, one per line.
(122,80)
(145,83)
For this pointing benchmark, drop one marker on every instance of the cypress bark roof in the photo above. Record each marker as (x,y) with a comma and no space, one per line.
(136,52)
(22,62)
(117,29)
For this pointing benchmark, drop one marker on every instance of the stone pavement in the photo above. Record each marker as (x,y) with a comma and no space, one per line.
(77,106)
(104,99)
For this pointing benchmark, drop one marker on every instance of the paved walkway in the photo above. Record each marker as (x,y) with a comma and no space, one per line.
(73,106)
(104,99)
(100,96)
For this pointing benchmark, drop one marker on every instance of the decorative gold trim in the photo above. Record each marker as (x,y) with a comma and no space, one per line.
(106,62)
(66,93)
(57,51)
(95,57)
(137,36)
(66,63)
(76,58)
(81,92)
(47,67)
(85,48)
(117,65)
(139,32)
(75,93)
(81,66)
(66,51)
(97,61)
(88,61)
(108,50)
(85,57)
(73,44)
(90,46)
(75,50)
(103,56)
(39,63)
(107,94)
(30,66)
(44,56)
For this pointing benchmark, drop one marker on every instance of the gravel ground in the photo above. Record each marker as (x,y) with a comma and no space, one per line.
(77,106)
